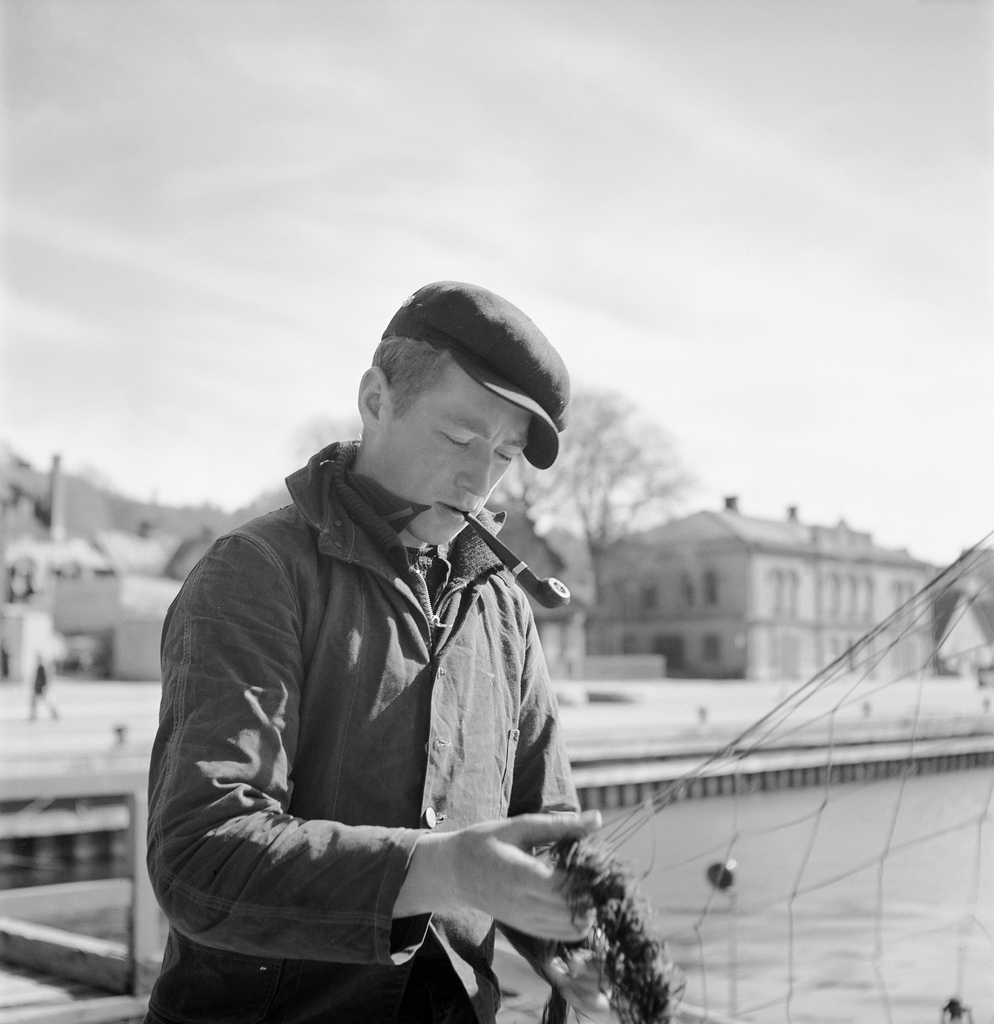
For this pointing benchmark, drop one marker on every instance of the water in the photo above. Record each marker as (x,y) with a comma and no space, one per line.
(21,866)
(860,903)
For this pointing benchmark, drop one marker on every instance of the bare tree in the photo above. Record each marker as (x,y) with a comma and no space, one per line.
(319,431)
(617,473)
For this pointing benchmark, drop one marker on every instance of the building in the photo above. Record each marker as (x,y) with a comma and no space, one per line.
(86,575)
(723,595)
(122,613)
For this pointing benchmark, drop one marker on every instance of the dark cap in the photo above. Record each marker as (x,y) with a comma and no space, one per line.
(500,348)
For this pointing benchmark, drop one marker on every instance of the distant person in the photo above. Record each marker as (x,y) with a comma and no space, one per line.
(39,691)
(359,746)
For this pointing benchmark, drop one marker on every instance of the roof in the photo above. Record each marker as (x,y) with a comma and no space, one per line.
(958,612)
(774,534)
(132,553)
(973,585)
(52,555)
(186,556)
(942,611)
(761,531)
(983,609)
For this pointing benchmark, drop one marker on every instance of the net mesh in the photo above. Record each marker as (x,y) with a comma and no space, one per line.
(842,902)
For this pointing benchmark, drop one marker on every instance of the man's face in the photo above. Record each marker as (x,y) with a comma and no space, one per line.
(449,450)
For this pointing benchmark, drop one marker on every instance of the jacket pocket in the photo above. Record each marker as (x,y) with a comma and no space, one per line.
(507,779)
(201,985)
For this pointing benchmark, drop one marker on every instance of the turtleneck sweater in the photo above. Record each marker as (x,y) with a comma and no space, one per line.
(384,515)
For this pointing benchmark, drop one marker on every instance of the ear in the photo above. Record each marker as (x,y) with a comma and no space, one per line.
(375,399)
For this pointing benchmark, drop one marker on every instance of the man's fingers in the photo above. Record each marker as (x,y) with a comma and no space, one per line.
(540,829)
(554,916)
(495,870)
(541,908)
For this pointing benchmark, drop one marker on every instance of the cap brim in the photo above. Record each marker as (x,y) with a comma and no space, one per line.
(542,448)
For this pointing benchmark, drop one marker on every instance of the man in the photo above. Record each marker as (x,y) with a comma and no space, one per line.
(39,691)
(357,731)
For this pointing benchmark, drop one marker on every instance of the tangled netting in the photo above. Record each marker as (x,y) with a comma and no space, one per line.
(642,983)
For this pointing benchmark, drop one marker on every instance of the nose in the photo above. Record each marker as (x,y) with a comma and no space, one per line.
(476,475)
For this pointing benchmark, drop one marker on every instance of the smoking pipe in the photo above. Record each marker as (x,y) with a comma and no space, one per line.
(550,592)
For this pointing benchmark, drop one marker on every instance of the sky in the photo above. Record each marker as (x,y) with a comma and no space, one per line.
(766,222)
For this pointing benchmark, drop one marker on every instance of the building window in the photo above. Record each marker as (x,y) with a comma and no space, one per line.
(793,585)
(671,647)
(904,657)
(867,600)
(650,598)
(870,657)
(711,587)
(712,647)
(776,579)
(790,656)
(687,590)
(851,586)
(834,595)
(785,657)
(903,592)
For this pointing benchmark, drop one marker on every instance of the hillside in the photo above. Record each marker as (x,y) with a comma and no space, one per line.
(91,507)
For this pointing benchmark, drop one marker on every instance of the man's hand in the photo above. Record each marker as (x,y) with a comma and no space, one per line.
(491,867)
(579,978)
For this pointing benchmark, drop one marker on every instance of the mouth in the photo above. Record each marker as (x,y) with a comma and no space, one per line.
(461,512)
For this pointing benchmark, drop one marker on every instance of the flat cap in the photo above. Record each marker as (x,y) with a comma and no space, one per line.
(500,348)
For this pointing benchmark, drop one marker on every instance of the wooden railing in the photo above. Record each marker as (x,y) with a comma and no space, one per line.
(124,969)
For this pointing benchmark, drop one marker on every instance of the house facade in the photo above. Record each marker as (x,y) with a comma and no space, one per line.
(723,595)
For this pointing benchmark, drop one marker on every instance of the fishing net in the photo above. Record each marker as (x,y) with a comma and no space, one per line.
(887,940)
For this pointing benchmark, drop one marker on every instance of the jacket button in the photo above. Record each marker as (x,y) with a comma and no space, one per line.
(338,522)
(429,818)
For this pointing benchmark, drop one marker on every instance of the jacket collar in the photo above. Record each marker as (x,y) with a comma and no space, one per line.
(353,531)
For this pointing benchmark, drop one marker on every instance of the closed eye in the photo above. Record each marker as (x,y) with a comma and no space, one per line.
(455,441)
(504,456)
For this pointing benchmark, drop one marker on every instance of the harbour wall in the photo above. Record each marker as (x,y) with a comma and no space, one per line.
(48,841)
(667,780)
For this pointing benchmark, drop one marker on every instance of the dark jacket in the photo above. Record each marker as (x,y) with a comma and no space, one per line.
(313,719)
